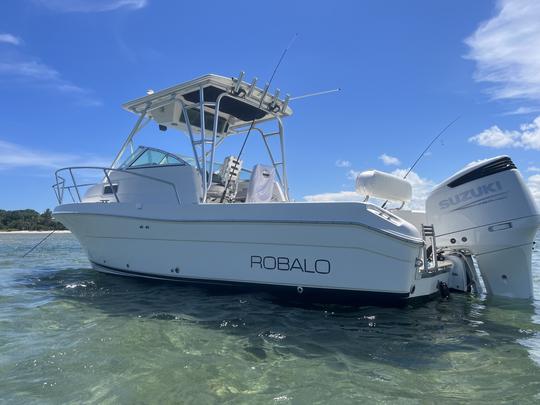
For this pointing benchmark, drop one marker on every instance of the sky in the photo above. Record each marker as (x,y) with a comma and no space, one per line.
(406,69)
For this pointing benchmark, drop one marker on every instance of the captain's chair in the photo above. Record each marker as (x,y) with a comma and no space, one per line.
(228,176)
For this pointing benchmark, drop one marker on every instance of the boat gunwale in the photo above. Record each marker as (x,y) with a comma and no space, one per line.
(407,239)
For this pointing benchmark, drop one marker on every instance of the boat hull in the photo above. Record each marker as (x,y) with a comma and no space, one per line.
(309,259)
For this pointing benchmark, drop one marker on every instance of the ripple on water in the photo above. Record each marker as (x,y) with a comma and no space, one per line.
(69,334)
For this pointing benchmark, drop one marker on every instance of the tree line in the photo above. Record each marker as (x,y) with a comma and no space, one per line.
(28,220)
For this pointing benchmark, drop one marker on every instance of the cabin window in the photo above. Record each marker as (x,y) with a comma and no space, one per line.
(108,190)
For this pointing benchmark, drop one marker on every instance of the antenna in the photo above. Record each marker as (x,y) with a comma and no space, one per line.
(319,93)
(234,166)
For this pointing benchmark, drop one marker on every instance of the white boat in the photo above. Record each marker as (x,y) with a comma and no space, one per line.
(161,215)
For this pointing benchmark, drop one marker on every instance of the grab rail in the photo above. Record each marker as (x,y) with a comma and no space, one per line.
(60,186)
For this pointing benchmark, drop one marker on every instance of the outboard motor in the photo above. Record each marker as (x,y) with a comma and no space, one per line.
(486,209)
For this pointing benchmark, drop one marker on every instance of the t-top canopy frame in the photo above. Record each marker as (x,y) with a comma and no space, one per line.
(247,102)
(241,105)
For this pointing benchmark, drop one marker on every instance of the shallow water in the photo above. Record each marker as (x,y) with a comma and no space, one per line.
(70,334)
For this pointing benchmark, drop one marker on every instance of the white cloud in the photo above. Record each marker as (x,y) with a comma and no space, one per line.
(30,69)
(534,185)
(343,163)
(505,49)
(39,73)
(527,137)
(337,196)
(495,137)
(530,135)
(533,169)
(389,160)
(10,39)
(91,6)
(351,174)
(523,111)
(421,188)
(17,156)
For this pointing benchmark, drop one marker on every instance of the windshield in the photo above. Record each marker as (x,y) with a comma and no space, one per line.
(144,157)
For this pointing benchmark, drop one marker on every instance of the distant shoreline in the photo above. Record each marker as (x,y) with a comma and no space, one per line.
(28,220)
(32,232)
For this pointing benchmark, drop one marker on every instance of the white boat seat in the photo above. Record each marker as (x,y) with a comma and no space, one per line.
(373,183)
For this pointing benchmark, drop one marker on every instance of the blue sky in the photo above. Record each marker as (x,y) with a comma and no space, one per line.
(406,69)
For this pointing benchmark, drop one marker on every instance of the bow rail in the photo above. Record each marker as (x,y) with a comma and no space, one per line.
(70,184)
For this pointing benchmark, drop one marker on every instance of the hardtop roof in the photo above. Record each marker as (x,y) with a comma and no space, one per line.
(239,107)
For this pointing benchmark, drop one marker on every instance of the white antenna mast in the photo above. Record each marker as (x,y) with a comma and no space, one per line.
(319,93)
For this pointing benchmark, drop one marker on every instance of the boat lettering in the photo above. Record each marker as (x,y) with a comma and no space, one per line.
(320,266)
(467,195)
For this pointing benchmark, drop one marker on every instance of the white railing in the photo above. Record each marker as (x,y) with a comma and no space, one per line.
(62,184)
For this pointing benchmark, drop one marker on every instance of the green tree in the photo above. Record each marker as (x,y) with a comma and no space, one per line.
(28,220)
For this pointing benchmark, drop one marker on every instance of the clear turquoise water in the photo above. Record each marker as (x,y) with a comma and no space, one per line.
(71,335)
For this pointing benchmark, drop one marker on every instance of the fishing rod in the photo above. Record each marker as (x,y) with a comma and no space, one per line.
(237,160)
(426,149)
(431,143)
